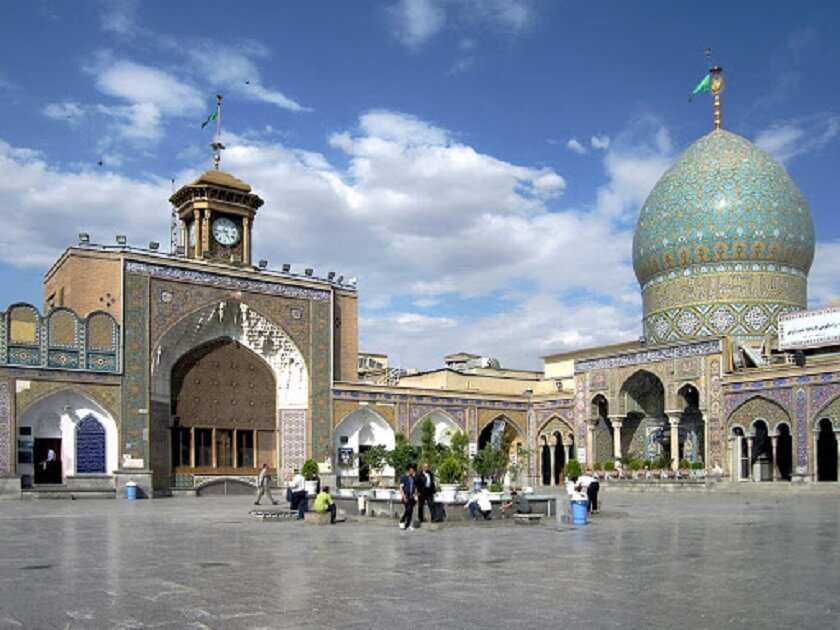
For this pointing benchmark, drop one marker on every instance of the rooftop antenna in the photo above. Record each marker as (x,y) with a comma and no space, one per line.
(173,224)
(217,145)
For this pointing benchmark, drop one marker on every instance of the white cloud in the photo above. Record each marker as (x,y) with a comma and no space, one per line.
(146,85)
(823,281)
(574,144)
(119,17)
(785,141)
(601,143)
(69,111)
(420,217)
(417,21)
(233,68)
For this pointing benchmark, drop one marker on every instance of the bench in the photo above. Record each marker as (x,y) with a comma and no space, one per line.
(316,518)
(527,519)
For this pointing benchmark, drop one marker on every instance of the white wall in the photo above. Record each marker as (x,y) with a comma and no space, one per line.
(363,427)
(445,428)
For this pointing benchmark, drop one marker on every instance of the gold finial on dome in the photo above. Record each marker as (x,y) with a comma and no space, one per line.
(217,145)
(716,72)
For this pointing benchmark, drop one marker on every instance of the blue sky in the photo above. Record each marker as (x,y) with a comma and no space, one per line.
(478,164)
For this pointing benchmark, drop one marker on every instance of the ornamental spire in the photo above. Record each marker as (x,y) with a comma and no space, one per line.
(717,85)
(217,145)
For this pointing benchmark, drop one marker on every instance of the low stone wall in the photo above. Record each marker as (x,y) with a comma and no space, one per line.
(9,487)
(393,508)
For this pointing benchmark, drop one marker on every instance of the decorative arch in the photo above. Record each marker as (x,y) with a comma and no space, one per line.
(830,410)
(643,392)
(359,430)
(63,328)
(64,417)
(556,423)
(445,426)
(759,407)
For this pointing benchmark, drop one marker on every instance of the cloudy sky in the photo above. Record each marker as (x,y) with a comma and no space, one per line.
(478,164)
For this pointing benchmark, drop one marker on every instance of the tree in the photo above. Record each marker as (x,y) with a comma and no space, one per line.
(492,462)
(309,470)
(428,445)
(375,459)
(403,454)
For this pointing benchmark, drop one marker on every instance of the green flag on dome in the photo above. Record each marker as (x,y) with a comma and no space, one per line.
(704,86)
(213,116)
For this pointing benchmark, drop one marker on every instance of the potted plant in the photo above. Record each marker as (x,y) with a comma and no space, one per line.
(310,471)
(697,469)
(495,492)
(609,470)
(634,467)
(598,467)
(492,463)
(685,468)
(450,473)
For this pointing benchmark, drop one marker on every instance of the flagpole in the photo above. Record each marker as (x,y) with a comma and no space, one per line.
(717,88)
(217,145)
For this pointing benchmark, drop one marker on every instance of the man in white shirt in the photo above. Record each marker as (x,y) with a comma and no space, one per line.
(479,504)
(589,484)
(298,487)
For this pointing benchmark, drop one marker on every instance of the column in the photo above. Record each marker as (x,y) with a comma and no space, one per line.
(205,232)
(674,420)
(590,440)
(774,440)
(837,439)
(246,241)
(183,237)
(192,447)
(235,454)
(213,461)
(617,423)
(198,229)
(553,463)
(749,440)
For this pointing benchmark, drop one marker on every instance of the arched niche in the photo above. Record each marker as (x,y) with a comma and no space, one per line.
(445,427)
(359,431)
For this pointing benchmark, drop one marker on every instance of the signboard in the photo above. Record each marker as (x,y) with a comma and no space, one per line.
(809,329)
(473,449)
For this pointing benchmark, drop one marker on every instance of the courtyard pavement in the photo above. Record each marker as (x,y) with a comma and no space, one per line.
(694,560)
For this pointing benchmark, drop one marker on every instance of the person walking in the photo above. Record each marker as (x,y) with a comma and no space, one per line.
(264,485)
(408,492)
(425,483)
(299,501)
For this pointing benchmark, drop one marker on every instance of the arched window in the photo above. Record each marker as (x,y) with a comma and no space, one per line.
(90,446)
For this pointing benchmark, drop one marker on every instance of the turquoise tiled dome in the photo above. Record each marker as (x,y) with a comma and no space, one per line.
(724,199)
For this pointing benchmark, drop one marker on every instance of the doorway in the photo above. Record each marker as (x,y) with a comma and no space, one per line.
(47,471)
(826,452)
(784,452)
(364,469)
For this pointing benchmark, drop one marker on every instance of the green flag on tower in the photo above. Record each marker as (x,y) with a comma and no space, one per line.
(704,86)
(213,116)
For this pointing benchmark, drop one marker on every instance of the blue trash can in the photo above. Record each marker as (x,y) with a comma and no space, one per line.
(131,491)
(580,511)
(477,484)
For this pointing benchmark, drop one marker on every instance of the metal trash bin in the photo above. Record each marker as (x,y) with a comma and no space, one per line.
(131,491)
(580,511)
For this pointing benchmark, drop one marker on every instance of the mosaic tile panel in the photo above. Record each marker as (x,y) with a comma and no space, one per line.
(181,274)
(135,399)
(801,431)
(320,411)
(715,456)
(292,438)
(649,356)
(417,412)
(821,397)
(5,427)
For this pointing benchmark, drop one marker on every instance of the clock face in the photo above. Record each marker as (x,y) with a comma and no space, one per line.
(225,231)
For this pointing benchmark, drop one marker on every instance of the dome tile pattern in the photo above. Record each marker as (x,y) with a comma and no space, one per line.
(723,244)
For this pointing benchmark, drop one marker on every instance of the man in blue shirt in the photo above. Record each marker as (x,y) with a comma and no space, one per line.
(408,493)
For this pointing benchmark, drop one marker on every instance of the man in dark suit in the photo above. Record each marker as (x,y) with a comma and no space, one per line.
(425,483)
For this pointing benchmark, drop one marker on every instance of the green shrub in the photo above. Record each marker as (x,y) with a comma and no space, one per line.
(685,464)
(598,466)
(647,464)
(495,487)
(309,470)
(450,471)
(635,465)
(375,458)
(572,468)
(697,466)
(609,467)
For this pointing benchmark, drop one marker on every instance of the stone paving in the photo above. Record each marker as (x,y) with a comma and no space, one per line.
(717,560)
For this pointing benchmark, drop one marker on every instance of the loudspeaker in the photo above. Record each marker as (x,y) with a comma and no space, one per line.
(799,358)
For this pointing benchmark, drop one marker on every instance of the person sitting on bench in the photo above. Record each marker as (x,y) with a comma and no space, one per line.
(324,503)
(518,503)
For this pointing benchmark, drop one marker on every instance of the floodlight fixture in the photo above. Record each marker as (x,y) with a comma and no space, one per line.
(331,275)
(340,280)
(154,246)
(121,239)
(84,238)
(308,271)
(286,267)
(180,250)
(263,263)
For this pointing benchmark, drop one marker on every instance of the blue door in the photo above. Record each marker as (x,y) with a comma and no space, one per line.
(90,446)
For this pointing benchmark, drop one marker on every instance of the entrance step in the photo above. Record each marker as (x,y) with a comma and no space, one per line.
(49,491)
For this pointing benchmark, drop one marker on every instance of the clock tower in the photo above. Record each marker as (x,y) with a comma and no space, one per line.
(216,213)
